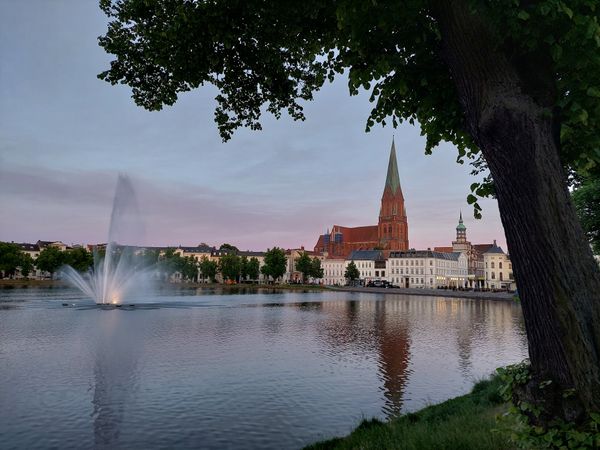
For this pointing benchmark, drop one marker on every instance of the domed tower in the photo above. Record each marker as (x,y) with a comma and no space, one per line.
(392,229)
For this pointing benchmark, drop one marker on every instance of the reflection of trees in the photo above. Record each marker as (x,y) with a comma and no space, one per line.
(115,376)
(356,328)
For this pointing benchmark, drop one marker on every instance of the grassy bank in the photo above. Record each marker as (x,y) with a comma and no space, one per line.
(460,423)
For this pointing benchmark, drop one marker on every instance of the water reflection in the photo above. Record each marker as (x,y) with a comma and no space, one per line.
(383,327)
(266,371)
(117,352)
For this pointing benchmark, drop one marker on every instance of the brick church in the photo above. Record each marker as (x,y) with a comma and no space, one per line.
(391,233)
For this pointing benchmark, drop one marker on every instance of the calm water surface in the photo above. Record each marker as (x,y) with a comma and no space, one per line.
(274,371)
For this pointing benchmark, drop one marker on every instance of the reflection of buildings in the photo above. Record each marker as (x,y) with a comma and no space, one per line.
(379,327)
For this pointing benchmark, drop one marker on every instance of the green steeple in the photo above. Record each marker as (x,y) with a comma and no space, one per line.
(461,225)
(393,179)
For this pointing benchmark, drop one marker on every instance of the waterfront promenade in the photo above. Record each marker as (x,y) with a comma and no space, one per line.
(429,292)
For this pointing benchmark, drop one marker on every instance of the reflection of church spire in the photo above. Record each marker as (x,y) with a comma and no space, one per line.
(394,355)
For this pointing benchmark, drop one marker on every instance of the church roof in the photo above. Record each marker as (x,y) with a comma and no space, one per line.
(359,234)
(393,179)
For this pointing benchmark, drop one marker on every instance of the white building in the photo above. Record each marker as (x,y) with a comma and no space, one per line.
(370,263)
(334,270)
(498,269)
(427,269)
(199,252)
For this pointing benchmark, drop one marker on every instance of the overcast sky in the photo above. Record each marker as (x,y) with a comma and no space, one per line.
(65,135)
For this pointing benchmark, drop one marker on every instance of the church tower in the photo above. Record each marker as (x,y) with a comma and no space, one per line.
(392,230)
(461,231)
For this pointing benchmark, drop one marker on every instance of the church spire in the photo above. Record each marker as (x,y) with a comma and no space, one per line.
(393,179)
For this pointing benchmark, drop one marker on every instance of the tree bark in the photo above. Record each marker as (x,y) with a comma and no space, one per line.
(508,106)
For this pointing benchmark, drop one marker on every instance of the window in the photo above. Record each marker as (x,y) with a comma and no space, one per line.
(492,264)
(500,265)
(493,275)
(500,275)
(431,262)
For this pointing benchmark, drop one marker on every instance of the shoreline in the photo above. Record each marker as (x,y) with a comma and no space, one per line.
(428,292)
(24,283)
(31,283)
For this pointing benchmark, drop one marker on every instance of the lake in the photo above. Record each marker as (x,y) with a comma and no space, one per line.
(273,370)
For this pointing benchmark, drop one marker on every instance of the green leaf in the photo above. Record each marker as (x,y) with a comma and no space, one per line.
(471,199)
(593,92)
(523,15)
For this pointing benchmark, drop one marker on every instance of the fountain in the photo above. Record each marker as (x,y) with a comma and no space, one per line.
(120,272)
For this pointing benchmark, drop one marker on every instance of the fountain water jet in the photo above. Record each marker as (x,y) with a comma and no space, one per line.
(121,271)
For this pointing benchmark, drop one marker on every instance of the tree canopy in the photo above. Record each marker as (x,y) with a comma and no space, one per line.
(229,266)
(304,265)
(50,259)
(79,259)
(587,201)
(352,273)
(253,268)
(275,263)
(272,56)
(208,268)
(13,258)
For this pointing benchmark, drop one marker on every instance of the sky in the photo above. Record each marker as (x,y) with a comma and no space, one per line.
(65,136)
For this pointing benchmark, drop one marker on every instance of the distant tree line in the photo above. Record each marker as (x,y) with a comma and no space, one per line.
(13,259)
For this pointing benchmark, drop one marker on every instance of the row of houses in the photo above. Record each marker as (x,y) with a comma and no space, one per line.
(422,269)
(409,269)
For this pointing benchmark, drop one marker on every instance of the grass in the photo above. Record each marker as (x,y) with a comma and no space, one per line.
(461,423)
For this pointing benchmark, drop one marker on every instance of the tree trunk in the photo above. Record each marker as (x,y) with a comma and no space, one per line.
(508,105)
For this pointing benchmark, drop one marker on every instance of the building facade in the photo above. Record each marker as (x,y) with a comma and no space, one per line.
(428,269)
(371,264)
(333,271)
(473,252)
(391,232)
(498,269)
